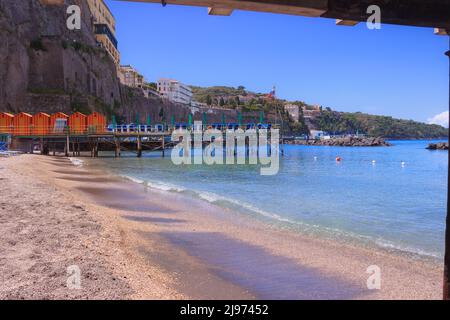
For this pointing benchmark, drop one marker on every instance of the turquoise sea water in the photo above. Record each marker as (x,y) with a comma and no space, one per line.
(382,203)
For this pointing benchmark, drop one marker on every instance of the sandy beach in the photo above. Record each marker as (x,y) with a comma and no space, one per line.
(133,242)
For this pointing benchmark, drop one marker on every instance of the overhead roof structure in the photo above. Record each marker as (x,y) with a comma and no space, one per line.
(421,13)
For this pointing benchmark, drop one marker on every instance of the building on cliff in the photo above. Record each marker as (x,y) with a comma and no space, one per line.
(175,91)
(130,77)
(104,25)
(293,110)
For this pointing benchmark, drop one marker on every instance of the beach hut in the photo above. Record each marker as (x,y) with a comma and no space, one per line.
(96,123)
(41,124)
(77,123)
(58,122)
(6,122)
(22,124)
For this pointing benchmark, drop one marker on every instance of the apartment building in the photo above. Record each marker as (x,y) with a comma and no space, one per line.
(104,28)
(174,91)
(130,77)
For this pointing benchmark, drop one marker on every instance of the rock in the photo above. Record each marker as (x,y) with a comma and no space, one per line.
(345,142)
(438,146)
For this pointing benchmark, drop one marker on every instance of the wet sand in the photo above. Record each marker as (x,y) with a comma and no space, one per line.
(176,247)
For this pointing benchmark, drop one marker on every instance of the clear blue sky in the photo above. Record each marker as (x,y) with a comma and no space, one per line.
(398,71)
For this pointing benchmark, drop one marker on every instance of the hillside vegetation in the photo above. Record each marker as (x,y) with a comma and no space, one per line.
(377,126)
(326,120)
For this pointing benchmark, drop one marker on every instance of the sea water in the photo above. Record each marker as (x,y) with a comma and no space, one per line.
(392,197)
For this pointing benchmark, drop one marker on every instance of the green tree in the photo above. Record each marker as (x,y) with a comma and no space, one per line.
(208,100)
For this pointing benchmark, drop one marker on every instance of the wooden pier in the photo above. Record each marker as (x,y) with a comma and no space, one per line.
(75,144)
(114,142)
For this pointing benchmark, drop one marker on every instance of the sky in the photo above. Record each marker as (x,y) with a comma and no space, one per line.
(397,71)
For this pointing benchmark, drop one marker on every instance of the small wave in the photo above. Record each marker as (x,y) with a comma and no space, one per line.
(155,184)
(230,203)
(389,245)
(76,162)
(164,186)
(133,179)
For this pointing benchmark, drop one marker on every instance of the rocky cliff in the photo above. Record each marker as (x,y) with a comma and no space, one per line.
(46,67)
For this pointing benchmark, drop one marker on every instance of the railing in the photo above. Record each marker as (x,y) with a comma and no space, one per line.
(125,129)
(51,130)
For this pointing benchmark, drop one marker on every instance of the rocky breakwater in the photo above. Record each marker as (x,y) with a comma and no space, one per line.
(438,146)
(345,142)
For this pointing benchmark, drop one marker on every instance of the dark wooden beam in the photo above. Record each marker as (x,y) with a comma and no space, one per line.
(421,13)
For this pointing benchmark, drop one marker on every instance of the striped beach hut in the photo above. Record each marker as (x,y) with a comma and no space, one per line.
(6,122)
(96,123)
(77,123)
(41,124)
(58,122)
(22,124)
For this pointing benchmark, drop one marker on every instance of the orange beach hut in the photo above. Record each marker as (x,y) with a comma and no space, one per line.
(6,122)
(77,123)
(22,124)
(57,121)
(96,122)
(41,123)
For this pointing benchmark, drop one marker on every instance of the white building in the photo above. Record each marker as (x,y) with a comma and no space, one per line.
(317,134)
(293,110)
(130,77)
(175,91)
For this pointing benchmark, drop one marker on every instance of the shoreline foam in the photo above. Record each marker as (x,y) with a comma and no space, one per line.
(291,225)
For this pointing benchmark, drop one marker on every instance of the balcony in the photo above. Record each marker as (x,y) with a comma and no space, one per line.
(104,29)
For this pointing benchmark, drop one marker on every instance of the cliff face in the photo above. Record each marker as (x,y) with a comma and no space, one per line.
(46,67)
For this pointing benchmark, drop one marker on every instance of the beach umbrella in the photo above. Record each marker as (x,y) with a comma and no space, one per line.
(204,119)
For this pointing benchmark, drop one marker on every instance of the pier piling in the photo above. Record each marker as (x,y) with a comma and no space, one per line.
(67,148)
(117,147)
(139,147)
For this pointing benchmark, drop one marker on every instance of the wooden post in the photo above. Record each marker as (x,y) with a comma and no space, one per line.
(163,144)
(92,143)
(117,147)
(96,148)
(67,150)
(139,146)
(41,145)
(446,295)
